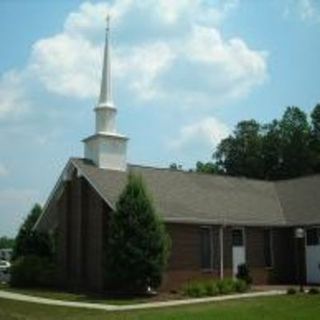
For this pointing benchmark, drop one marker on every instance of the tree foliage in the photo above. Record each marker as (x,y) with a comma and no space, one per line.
(208,167)
(31,242)
(33,255)
(174,166)
(6,243)
(137,244)
(284,148)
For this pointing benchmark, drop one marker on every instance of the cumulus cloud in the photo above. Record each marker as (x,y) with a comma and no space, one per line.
(181,55)
(66,65)
(208,131)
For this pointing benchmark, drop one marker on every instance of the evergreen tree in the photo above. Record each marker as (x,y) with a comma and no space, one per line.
(208,167)
(29,241)
(315,139)
(6,242)
(282,149)
(240,154)
(295,137)
(137,245)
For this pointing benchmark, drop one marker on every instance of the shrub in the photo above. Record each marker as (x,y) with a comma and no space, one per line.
(32,271)
(137,245)
(226,286)
(195,289)
(240,286)
(313,291)
(291,291)
(211,288)
(244,273)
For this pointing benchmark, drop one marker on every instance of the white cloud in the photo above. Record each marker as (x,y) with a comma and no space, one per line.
(67,65)
(143,65)
(309,10)
(187,63)
(208,131)
(12,95)
(175,54)
(305,10)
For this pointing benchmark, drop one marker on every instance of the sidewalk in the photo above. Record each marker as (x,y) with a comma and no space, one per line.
(161,304)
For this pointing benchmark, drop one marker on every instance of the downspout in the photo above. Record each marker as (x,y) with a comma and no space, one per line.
(221,252)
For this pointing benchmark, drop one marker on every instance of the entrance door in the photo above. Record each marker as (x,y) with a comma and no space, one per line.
(238,249)
(313,255)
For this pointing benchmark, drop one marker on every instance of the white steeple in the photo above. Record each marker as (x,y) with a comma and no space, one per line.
(105,90)
(106,148)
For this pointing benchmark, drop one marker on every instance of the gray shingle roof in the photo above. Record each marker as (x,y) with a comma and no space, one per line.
(193,197)
(207,199)
(300,200)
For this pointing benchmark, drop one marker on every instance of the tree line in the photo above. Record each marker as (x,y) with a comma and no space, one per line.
(284,148)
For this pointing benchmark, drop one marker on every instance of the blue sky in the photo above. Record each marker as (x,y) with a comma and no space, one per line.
(185,72)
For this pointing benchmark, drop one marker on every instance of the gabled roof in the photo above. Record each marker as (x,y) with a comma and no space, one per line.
(184,196)
(202,198)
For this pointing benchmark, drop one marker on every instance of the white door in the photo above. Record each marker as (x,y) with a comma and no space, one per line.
(313,255)
(238,249)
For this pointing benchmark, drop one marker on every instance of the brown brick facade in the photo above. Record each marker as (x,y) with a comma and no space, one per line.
(184,263)
(83,221)
(82,217)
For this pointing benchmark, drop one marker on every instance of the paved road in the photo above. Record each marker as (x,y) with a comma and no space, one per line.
(149,305)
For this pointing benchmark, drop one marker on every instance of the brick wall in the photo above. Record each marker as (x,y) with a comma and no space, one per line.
(82,218)
(185,261)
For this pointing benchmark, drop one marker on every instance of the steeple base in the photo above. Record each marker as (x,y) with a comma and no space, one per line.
(107,150)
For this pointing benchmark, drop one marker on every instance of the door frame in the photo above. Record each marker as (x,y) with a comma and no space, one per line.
(306,254)
(244,246)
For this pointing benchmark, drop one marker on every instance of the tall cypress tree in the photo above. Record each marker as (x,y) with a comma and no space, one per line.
(137,244)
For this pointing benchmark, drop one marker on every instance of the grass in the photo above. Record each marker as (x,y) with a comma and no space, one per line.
(71,296)
(302,307)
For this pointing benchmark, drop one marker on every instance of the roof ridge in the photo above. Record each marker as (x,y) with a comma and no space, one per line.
(199,173)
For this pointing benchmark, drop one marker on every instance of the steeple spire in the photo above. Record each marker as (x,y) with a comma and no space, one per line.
(105,98)
(106,147)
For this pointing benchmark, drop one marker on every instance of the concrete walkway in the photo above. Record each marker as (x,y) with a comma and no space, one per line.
(139,306)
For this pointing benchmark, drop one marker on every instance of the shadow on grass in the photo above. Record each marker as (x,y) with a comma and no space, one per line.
(88,297)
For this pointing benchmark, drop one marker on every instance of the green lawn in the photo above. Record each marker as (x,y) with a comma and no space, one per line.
(70,296)
(273,308)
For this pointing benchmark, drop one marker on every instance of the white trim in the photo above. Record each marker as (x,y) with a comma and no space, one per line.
(219,222)
(243,236)
(221,239)
(60,181)
(244,245)
(95,188)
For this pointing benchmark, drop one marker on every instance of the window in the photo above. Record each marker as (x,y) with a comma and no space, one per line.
(267,235)
(237,238)
(312,237)
(206,248)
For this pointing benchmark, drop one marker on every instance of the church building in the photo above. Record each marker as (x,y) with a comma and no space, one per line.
(215,222)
